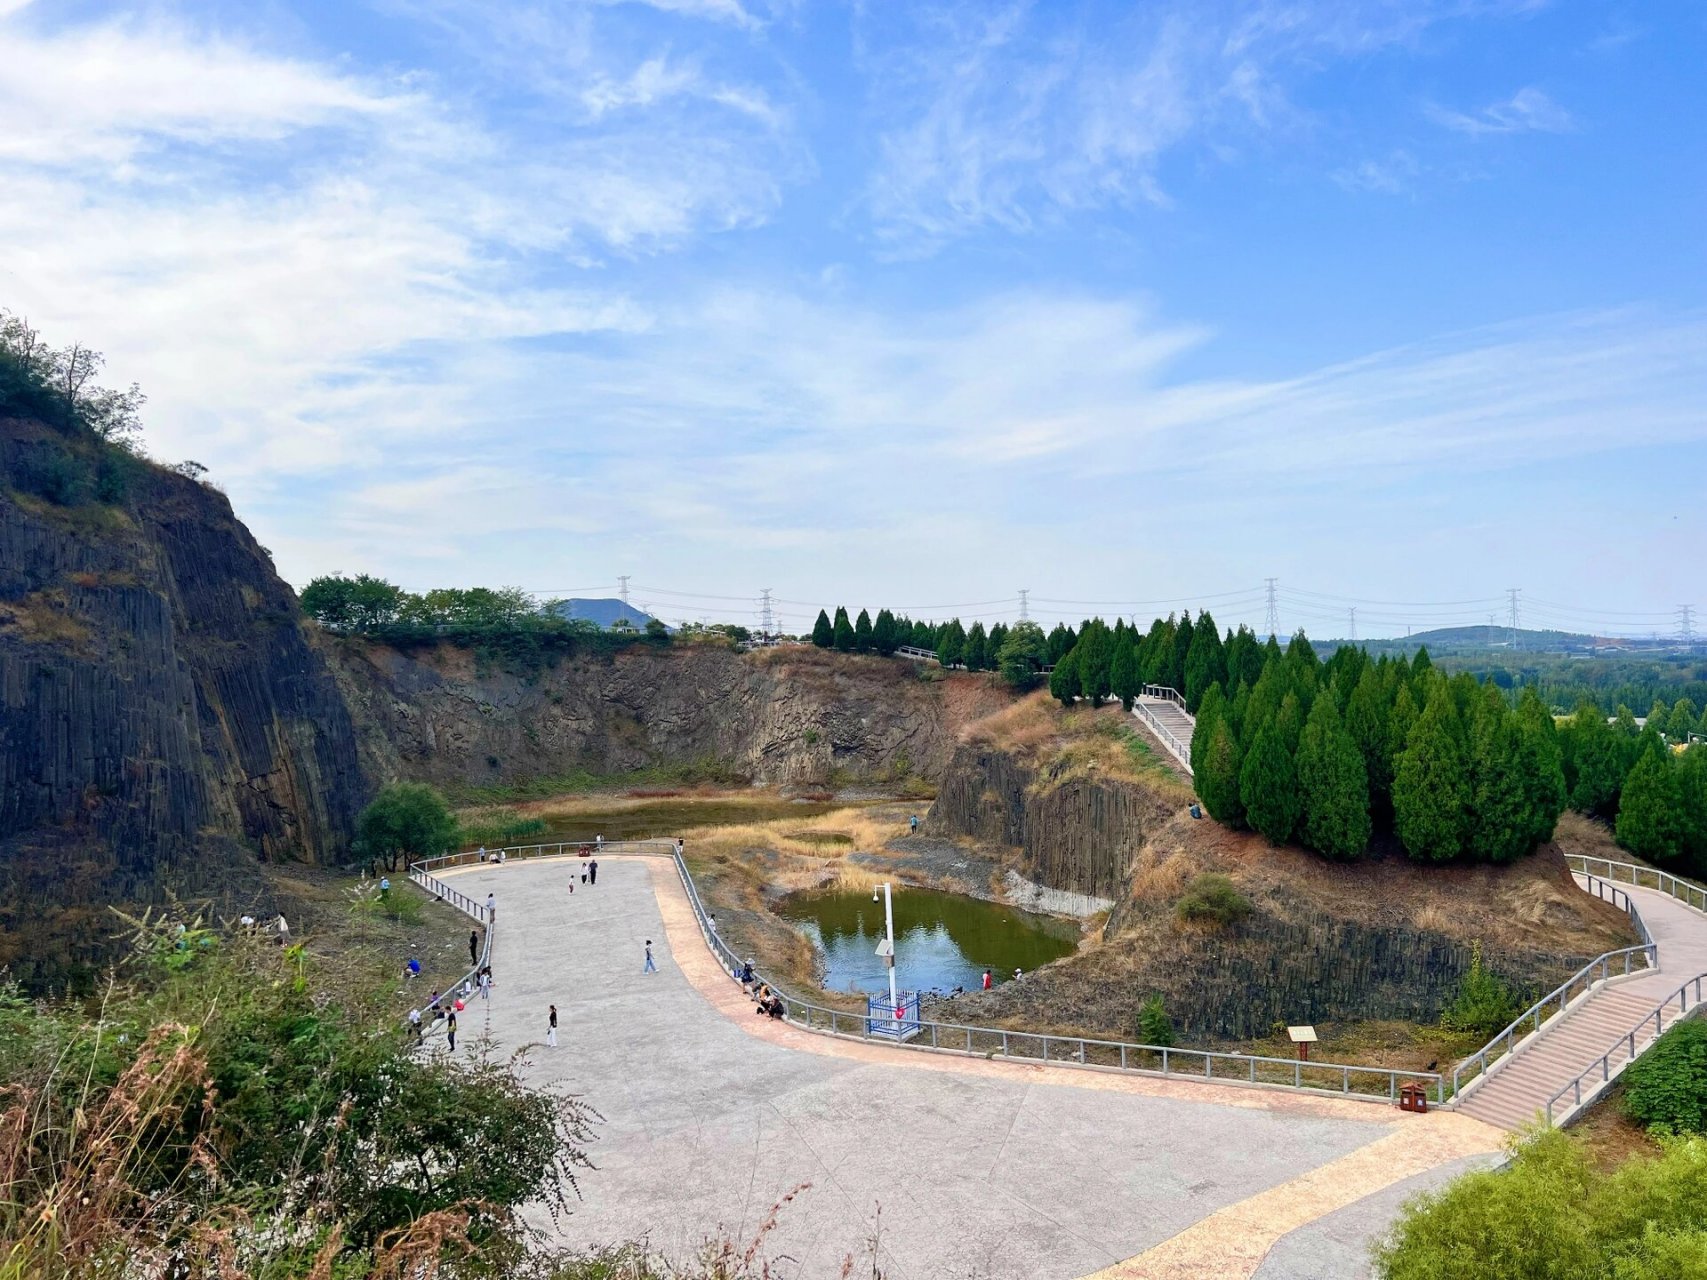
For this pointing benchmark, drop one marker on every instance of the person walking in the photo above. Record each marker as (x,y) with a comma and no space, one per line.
(986,979)
(593,870)
(485,984)
(450,1030)
(415,1024)
(473,947)
(678,846)
(599,843)
(913,822)
(651,964)
(491,908)
(551,1027)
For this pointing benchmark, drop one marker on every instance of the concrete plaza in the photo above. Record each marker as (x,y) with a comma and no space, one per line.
(955,1167)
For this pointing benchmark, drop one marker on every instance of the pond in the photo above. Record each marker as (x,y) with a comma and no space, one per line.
(942,940)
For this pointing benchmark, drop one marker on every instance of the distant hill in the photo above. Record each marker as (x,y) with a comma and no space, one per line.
(604,613)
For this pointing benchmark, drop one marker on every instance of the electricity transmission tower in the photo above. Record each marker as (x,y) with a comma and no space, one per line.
(1511,595)
(1353,612)
(1686,623)
(1024,614)
(622,587)
(767,623)
(1272,622)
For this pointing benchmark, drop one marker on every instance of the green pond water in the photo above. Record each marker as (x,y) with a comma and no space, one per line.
(669,817)
(942,940)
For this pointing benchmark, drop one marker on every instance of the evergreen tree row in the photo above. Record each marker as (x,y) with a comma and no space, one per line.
(1103,662)
(954,645)
(1333,754)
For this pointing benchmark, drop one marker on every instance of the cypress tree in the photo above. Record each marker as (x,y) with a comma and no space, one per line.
(1596,762)
(1064,679)
(1238,709)
(1264,706)
(1290,721)
(1183,634)
(1400,721)
(951,644)
(823,634)
(1094,657)
(1431,790)
(1123,679)
(1681,722)
(1218,780)
(1366,722)
(862,633)
(1268,787)
(998,636)
(1061,642)
(1333,785)
(1500,818)
(1205,662)
(1214,708)
(1153,651)
(884,633)
(1648,815)
(1692,807)
(844,632)
(1244,658)
(977,648)
(1539,764)
(1658,718)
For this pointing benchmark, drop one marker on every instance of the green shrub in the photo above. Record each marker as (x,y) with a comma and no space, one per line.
(1212,897)
(1484,1004)
(1154,1025)
(1549,1216)
(55,474)
(1666,1088)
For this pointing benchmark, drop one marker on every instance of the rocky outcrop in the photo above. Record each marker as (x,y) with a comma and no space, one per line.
(794,716)
(1080,834)
(1382,938)
(164,719)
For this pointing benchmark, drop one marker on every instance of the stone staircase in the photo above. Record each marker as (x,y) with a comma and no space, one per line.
(1163,713)
(1518,1088)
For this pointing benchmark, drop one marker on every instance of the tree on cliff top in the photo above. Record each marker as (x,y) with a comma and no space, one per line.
(1334,783)
(1431,784)
(862,633)
(844,632)
(823,634)
(407,821)
(1024,652)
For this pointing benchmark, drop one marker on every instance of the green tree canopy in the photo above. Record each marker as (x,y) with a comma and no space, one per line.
(1064,679)
(977,653)
(1650,814)
(951,644)
(823,632)
(1431,786)
(1123,679)
(1024,652)
(1205,661)
(842,635)
(862,633)
(1268,786)
(1333,783)
(406,822)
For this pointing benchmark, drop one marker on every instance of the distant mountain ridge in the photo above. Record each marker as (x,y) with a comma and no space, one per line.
(603,612)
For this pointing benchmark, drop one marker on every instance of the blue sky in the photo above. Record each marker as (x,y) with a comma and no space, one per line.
(902,303)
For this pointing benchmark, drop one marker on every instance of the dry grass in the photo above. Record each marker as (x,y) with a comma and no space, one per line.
(43,618)
(1063,743)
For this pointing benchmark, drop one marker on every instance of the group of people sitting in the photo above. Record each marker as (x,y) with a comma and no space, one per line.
(766,1003)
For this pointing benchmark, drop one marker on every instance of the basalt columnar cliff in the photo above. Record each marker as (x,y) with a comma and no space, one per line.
(170,720)
(165,719)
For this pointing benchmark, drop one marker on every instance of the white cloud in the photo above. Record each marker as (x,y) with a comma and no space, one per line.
(1529,110)
(1392,175)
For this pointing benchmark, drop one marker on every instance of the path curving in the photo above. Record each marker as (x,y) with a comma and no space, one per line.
(958,1166)
(1514,1094)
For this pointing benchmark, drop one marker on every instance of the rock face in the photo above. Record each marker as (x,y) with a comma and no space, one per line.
(165,720)
(1379,938)
(793,716)
(1080,835)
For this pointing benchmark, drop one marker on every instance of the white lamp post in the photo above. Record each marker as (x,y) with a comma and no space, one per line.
(886,948)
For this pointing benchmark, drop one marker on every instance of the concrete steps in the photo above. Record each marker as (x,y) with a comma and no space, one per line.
(1517,1090)
(1173,721)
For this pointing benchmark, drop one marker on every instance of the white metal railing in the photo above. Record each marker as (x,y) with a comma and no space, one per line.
(913,651)
(1165,693)
(1691,895)
(1557,1001)
(1180,751)
(1687,999)
(1345,1079)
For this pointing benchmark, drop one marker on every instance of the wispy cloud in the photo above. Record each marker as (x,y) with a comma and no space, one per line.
(1529,110)
(1391,175)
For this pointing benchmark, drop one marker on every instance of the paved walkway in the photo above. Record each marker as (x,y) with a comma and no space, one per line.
(959,1167)
(1516,1091)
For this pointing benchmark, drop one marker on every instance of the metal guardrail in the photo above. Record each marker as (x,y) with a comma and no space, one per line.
(1688,998)
(1167,693)
(1343,1079)
(1690,895)
(444,893)
(913,651)
(1181,751)
(1579,984)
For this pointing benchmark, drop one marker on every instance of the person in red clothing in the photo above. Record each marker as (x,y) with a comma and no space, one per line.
(986,979)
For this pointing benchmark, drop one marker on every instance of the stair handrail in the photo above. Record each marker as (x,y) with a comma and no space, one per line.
(1596,971)
(1687,1004)
(1691,895)
(1166,693)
